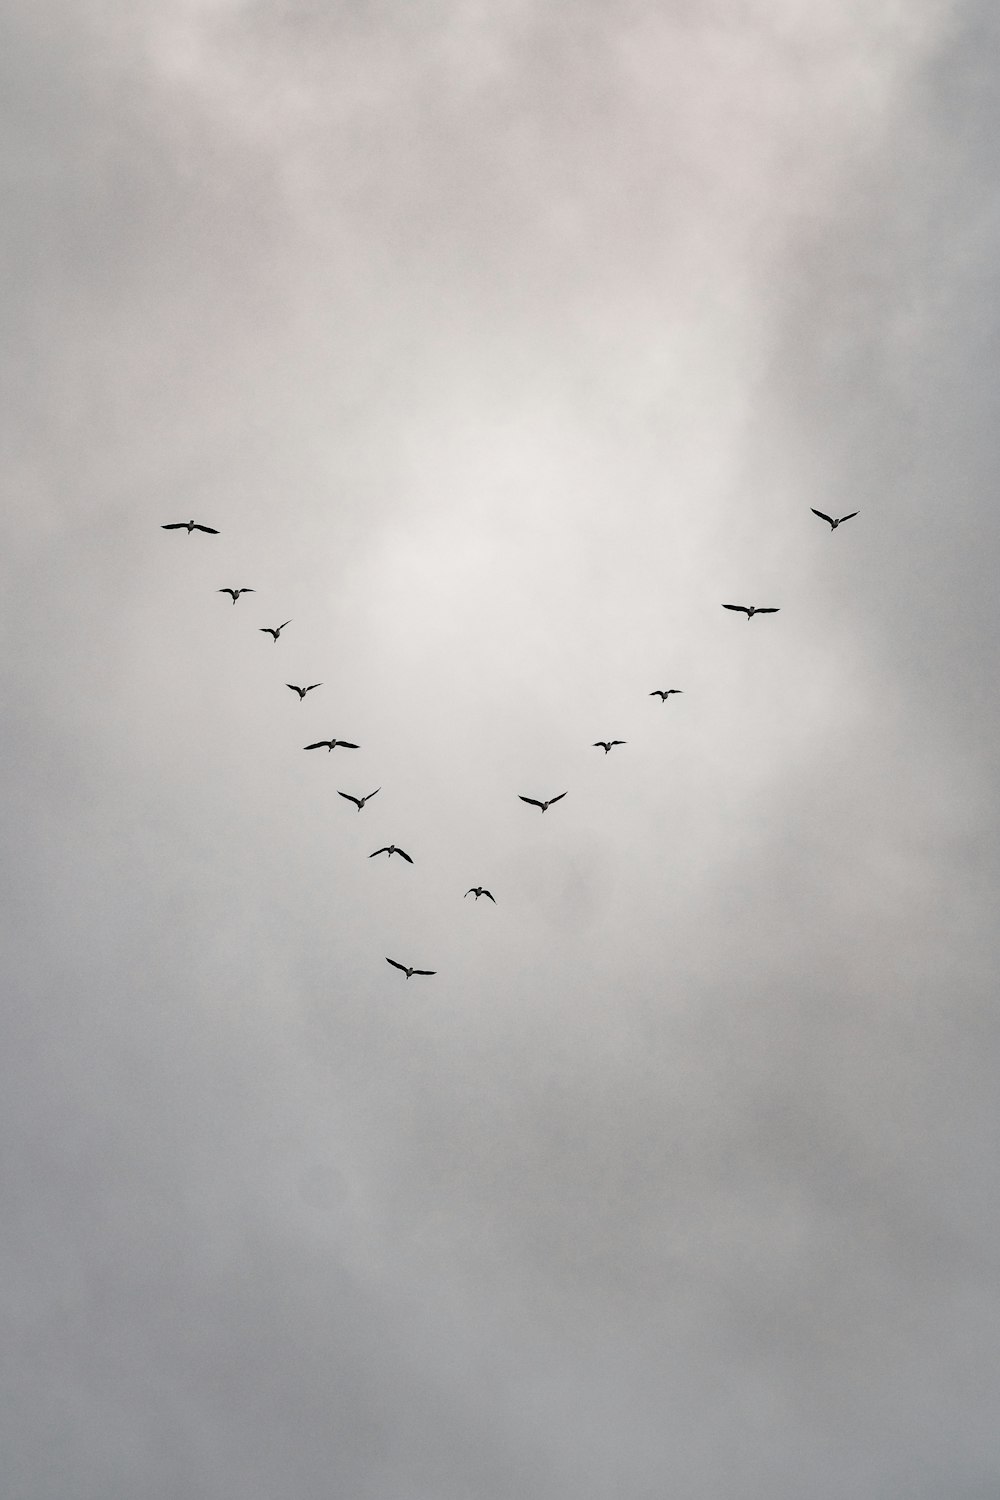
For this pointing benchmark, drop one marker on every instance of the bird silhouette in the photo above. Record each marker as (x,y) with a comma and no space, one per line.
(273,630)
(407,970)
(605,745)
(391,849)
(303,690)
(235,593)
(480,890)
(359,802)
(664,693)
(751,609)
(543,805)
(189,526)
(834,522)
(332,745)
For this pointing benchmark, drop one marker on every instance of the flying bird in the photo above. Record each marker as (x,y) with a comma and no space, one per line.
(479,890)
(664,693)
(359,802)
(189,526)
(834,523)
(235,593)
(303,690)
(543,805)
(332,745)
(604,745)
(275,631)
(407,970)
(391,849)
(751,609)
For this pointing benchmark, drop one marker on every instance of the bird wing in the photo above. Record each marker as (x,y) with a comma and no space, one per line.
(533,800)
(470,892)
(319,745)
(266,630)
(355,800)
(741,607)
(556,799)
(403,855)
(312,685)
(602,745)
(850,516)
(822,514)
(395,965)
(766,610)
(174,526)
(246,591)
(656,693)
(295,688)
(372,794)
(234,592)
(287,622)
(425,971)
(487,893)
(212,530)
(619,742)
(372,855)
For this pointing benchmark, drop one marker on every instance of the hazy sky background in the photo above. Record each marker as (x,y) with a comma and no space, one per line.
(502,343)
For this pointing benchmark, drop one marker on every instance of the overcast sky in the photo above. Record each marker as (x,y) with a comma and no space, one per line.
(502,343)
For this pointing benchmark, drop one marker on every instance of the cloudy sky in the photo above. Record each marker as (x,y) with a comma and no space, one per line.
(502,343)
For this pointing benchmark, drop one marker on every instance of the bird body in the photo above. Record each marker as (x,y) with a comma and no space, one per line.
(407,970)
(664,693)
(303,690)
(480,890)
(359,802)
(188,526)
(274,630)
(605,745)
(235,593)
(391,849)
(332,745)
(834,522)
(543,805)
(751,609)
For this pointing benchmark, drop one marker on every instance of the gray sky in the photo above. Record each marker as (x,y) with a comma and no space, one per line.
(502,343)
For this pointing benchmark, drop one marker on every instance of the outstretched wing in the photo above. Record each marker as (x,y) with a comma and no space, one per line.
(602,745)
(657,693)
(741,607)
(266,630)
(850,515)
(619,742)
(471,892)
(488,893)
(372,855)
(356,800)
(425,971)
(312,685)
(231,592)
(296,689)
(287,622)
(556,799)
(403,855)
(246,591)
(319,745)
(395,965)
(769,610)
(533,800)
(212,531)
(347,745)
(175,526)
(371,794)
(822,514)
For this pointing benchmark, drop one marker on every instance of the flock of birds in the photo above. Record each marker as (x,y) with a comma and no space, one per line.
(274,631)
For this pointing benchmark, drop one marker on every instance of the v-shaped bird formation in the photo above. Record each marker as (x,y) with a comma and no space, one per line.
(543,804)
